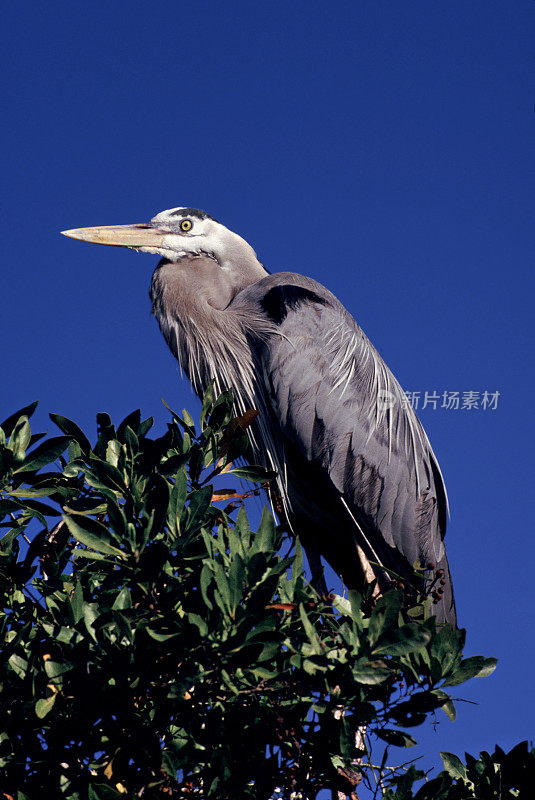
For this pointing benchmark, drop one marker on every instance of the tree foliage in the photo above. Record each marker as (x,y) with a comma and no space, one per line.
(154,646)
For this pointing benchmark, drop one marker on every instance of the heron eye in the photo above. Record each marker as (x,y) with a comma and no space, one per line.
(186,225)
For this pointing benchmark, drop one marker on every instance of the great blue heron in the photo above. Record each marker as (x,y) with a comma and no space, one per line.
(357,476)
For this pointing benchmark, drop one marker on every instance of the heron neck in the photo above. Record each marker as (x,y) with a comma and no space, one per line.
(210,341)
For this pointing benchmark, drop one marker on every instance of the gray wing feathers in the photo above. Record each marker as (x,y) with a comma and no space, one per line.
(334,396)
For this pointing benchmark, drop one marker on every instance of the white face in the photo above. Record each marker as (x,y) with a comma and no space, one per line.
(192,232)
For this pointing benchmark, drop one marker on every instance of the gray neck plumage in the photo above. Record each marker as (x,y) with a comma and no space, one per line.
(222,345)
(211,341)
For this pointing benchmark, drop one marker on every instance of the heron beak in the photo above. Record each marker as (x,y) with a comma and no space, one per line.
(135,236)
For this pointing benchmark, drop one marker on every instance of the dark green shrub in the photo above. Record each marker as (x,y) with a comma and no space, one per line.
(154,646)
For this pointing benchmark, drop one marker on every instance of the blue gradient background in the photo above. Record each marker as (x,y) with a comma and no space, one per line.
(385,149)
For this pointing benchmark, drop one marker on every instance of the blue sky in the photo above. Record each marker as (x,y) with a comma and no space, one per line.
(385,149)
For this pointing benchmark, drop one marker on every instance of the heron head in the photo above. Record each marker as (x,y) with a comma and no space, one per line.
(179,235)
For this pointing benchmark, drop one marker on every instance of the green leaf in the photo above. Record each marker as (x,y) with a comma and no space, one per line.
(45,453)
(117,517)
(205,581)
(156,503)
(18,664)
(403,641)
(310,631)
(131,441)
(397,738)
(264,539)
(385,614)
(43,706)
(94,480)
(77,600)
(222,593)
(20,439)
(72,430)
(160,637)
(208,401)
(9,541)
(123,600)
(446,648)
(198,506)
(243,530)
(62,634)
(105,473)
(454,766)
(227,680)
(108,625)
(90,614)
(221,412)
(235,579)
(447,705)
(54,669)
(145,426)
(370,672)
(188,420)
(91,533)
(342,604)
(9,423)
(254,473)
(200,623)
(355,600)
(8,507)
(176,502)
(473,667)
(91,555)
(114,448)
(131,421)
(106,430)
(173,464)
(41,508)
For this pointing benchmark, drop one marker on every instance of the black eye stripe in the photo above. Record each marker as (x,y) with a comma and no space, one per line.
(191,212)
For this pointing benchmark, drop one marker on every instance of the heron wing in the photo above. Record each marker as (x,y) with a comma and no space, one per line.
(336,400)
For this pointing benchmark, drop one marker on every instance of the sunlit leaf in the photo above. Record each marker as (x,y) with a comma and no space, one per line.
(92,534)
(370,673)
(453,766)
(44,706)
(473,667)
(45,453)
(256,474)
